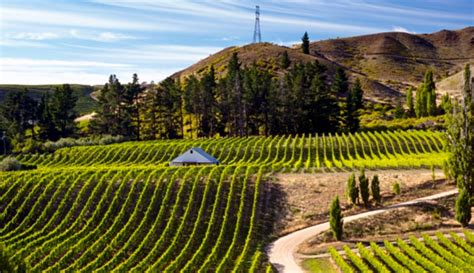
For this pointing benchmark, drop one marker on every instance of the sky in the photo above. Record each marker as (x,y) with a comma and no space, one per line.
(72,41)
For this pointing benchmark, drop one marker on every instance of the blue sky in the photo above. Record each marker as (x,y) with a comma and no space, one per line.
(85,41)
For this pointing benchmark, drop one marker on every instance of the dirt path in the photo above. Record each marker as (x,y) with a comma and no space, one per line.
(282,252)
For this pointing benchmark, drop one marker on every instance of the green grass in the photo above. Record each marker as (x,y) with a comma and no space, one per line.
(319,265)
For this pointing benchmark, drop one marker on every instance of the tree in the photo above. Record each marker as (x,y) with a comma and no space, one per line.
(19,113)
(47,128)
(364,187)
(463,208)
(305,43)
(285,60)
(62,110)
(375,189)
(335,219)
(133,90)
(420,102)
(354,102)
(446,104)
(410,105)
(399,111)
(430,93)
(460,143)
(352,190)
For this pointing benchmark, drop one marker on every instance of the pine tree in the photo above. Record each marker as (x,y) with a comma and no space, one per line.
(335,219)
(410,105)
(354,102)
(375,189)
(305,43)
(47,129)
(62,110)
(352,190)
(463,208)
(364,187)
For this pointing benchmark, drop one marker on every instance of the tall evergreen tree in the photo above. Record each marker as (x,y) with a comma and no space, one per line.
(19,114)
(133,90)
(354,102)
(47,129)
(305,43)
(375,189)
(62,110)
(352,190)
(430,91)
(364,188)
(420,101)
(336,221)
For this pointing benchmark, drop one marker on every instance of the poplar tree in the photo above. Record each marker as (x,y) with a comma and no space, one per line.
(352,190)
(410,105)
(364,188)
(460,140)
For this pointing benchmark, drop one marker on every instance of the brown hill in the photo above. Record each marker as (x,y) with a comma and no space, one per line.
(267,56)
(399,59)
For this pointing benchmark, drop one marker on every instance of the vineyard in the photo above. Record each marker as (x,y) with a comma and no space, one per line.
(400,149)
(120,207)
(186,219)
(444,253)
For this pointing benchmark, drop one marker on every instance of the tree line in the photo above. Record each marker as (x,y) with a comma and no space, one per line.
(245,101)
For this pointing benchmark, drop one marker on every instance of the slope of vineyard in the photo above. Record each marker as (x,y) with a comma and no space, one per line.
(136,219)
(290,153)
(443,253)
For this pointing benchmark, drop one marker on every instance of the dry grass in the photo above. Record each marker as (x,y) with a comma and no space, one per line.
(306,197)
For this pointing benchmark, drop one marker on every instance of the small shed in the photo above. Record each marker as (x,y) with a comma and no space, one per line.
(194,156)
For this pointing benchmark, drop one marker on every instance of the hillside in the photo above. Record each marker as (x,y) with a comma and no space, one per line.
(85,104)
(398,59)
(267,56)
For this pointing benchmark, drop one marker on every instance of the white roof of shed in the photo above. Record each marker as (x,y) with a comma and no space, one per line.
(195,155)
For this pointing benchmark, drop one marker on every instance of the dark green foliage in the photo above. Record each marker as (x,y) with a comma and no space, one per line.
(463,208)
(410,105)
(335,219)
(425,104)
(354,102)
(61,110)
(364,188)
(10,265)
(375,189)
(305,43)
(18,112)
(446,104)
(352,190)
(285,60)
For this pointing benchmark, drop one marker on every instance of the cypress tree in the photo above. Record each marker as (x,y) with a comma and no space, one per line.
(364,188)
(352,190)
(335,219)
(463,208)
(305,43)
(430,93)
(375,189)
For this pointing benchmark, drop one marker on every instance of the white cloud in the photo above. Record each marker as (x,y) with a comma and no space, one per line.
(99,36)
(13,63)
(402,29)
(37,36)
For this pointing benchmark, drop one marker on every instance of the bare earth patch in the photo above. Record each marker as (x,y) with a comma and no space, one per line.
(306,197)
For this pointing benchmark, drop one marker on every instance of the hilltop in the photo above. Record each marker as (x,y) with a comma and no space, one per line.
(399,59)
(386,63)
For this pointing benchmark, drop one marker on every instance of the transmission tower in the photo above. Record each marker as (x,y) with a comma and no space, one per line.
(257,36)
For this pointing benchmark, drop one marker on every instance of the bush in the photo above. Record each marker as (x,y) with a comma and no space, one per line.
(12,164)
(335,219)
(375,188)
(396,188)
(107,139)
(463,208)
(364,188)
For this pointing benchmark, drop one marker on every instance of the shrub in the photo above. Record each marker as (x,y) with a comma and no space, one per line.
(107,139)
(396,188)
(375,188)
(352,190)
(364,188)
(10,164)
(335,219)
(463,208)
